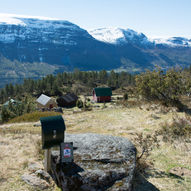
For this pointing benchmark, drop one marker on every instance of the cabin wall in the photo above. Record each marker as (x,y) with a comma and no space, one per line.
(94,96)
(63,103)
(49,105)
(104,99)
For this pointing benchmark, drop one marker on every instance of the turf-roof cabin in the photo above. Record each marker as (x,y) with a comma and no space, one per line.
(102,94)
(68,100)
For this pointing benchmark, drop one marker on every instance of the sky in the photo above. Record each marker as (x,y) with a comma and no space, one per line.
(154,18)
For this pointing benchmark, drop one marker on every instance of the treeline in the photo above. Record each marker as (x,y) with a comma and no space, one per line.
(55,85)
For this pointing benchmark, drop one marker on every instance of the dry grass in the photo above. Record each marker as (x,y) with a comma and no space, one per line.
(167,158)
(32,117)
(18,148)
(17,151)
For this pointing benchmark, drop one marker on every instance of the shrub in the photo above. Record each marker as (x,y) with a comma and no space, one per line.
(5,114)
(178,129)
(144,144)
(158,85)
(79,103)
(13,110)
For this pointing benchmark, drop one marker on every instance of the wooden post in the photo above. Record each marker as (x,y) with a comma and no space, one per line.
(47,160)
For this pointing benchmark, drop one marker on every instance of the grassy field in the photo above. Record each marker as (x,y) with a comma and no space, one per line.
(169,165)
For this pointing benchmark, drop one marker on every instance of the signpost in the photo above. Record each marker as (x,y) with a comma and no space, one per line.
(66,152)
(53,129)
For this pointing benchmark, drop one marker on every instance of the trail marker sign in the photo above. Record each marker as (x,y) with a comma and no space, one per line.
(66,152)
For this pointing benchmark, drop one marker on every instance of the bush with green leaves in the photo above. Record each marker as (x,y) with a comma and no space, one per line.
(161,86)
(18,108)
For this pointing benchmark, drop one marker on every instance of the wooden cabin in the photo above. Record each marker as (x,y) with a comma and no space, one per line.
(68,100)
(102,94)
(10,101)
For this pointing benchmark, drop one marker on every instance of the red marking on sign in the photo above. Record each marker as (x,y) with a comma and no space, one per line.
(67,152)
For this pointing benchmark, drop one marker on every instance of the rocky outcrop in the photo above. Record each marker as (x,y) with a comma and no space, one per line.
(100,163)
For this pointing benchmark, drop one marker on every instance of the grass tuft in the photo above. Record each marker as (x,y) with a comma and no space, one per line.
(179,128)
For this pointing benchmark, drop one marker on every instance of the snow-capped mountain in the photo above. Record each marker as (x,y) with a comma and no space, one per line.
(173,41)
(63,46)
(119,36)
(38,29)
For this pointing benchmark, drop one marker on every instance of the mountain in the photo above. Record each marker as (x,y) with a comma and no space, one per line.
(174,41)
(119,36)
(36,46)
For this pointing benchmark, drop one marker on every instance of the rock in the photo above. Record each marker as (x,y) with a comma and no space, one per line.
(33,180)
(43,175)
(105,161)
(181,171)
(154,116)
(33,167)
(173,109)
(37,124)
(37,178)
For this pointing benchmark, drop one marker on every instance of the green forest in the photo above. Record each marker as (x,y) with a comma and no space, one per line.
(167,87)
(78,82)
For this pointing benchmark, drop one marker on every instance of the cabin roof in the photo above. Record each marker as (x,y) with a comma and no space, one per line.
(103,91)
(10,101)
(69,97)
(43,99)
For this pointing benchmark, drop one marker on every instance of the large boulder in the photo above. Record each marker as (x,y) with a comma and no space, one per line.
(104,163)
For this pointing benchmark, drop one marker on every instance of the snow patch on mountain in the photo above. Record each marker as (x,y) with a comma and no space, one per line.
(118,35)
(6,19)
(121,36)
(35,22)
(173,41)
(38,29)
(107,35)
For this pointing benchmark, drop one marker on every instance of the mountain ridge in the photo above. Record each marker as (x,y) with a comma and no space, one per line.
(64,46)
(108,35)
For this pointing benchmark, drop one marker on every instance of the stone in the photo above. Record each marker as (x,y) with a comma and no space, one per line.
(35,181)
(43,175)
(154,116)
(107,162)
(33,167)
(181,171)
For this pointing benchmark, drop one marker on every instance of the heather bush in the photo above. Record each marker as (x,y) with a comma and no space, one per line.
(178,129)
(144,144)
